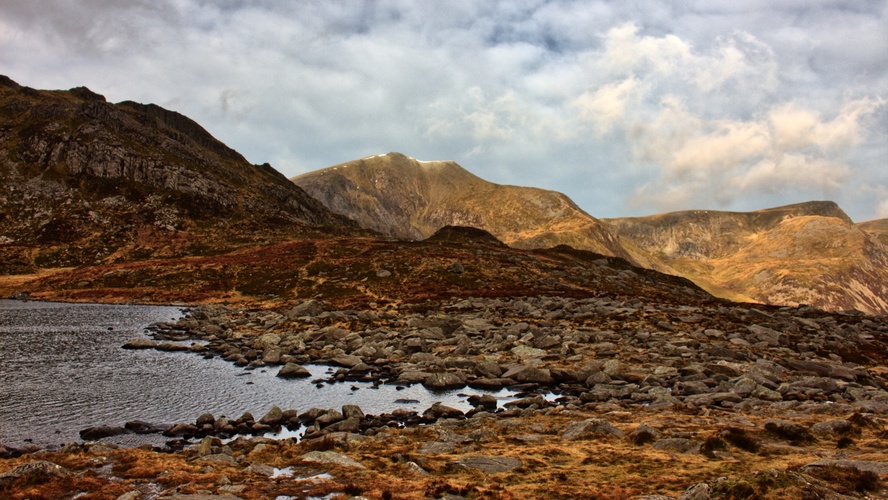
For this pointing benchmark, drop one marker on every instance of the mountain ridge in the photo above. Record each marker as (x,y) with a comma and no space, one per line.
(405,198)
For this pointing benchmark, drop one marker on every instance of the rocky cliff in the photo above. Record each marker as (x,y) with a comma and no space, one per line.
(83,179)
(406,198)
(808,253)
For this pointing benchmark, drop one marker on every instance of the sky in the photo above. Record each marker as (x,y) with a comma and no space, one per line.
(628,107)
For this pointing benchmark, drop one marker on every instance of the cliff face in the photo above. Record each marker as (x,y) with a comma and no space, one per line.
(808,253)
(405,198)
(81,177)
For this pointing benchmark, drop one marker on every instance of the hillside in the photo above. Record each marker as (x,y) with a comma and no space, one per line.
(405,198)
(84,181)
(808,253)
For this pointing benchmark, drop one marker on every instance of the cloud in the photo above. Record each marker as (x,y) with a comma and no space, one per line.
(701,103)
(789,148)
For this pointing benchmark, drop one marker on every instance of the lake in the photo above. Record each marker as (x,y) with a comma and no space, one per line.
(62,369)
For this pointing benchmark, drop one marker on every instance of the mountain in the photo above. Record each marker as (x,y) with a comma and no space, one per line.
(405,198)
(807,253)
(877,228)
(84,180)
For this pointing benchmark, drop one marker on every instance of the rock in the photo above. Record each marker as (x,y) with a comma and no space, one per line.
(200,497)
(329,457)
(535,376)
(700,491)
(34,472)
(205,419)
(309,308)
(275,416)
(487,464)
(293,370)
(485,401)
(96,433)
(438,410)
(219,458)
(140,427)
(180,430)
(681,445)
(352,411)
(140,344)
(592,427)
(346,360)
(444,381)
(131,495)
(833,428)
(789,431)
(643,434)
(436,448)
(457,268)
(490,384)
(172,347)
(880,468)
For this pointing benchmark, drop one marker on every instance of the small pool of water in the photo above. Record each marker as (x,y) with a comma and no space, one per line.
(62,369)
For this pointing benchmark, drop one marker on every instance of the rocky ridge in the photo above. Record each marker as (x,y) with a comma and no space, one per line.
(809,253)
(405,198)
(84,180)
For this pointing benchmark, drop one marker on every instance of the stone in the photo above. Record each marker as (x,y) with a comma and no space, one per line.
(789,431)
(833,428)
(34,471)
(438,410)
(275,416)
(309,308)
(206,419)
(293,370)
(701,491)
(96,433)
(140,344)
(330,457)
(592,427)
(436,448)
(443,381)
(352,411)
(487,464)
(680,445)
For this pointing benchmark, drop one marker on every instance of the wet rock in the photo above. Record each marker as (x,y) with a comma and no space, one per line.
(592,427)
(293,370)
(485,401)
(181,430)
(96,433)
(490,384)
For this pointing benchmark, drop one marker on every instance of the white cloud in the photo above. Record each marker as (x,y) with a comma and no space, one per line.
(703,103)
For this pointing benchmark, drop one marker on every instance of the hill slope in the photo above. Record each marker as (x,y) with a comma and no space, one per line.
(405,198)
(808,253)
(84,180)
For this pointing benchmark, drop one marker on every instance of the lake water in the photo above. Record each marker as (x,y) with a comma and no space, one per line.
(62,369)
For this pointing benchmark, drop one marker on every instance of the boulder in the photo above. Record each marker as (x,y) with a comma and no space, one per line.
(275,416)
(438,410)
(140,344)
(309,308)
(293,370)
(329,457)
(34,472)
(444,381)
(96,433)
(592,427)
